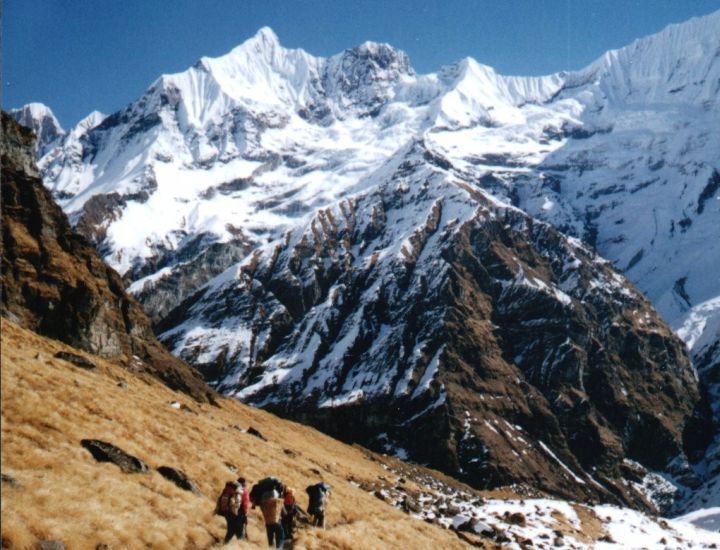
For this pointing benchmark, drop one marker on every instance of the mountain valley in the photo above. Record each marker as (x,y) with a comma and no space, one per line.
(510,279)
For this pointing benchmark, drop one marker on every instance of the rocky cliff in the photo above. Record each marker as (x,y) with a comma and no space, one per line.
(55,283)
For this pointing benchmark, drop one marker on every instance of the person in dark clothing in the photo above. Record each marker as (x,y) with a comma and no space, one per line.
(318,495)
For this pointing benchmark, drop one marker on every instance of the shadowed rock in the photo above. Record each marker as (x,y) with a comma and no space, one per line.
(77,360)
(10,481)
(106,452)
(51,545)
(253,431)
(179,478)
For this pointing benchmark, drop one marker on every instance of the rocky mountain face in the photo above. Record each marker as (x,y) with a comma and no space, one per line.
(426,318)
(241,163)
(55,283)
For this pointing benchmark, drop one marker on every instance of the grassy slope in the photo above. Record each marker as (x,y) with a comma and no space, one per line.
(48,406)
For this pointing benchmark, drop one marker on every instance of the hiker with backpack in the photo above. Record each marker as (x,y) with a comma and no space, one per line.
(263,487)
(291,511)
(233,504)
(266,494)
(318,495)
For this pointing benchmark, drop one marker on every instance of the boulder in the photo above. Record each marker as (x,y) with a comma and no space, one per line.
(77,360)
(179,478)
(517,518)
(253,431)
(106,452)
(10,481)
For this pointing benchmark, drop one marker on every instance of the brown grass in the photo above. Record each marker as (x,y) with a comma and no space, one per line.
(48,406)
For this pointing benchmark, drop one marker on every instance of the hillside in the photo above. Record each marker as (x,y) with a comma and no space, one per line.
(49,406)
(52,488)
(55,283)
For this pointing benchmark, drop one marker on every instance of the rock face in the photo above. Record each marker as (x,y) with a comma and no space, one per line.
(103,451)
(427,319)
(55,283)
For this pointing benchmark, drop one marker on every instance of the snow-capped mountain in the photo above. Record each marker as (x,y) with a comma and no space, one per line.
(306,173)
(620,153)
(472,337)
(41,120)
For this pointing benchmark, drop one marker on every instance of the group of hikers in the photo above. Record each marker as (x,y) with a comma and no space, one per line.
(277,503)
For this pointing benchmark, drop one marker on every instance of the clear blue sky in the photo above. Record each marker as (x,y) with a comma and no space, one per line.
(77,56)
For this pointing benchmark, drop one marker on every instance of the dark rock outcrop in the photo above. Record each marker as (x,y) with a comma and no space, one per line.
(179,478)
(10,481)
(77,360)
(55,283)
(107,452)
(256,433)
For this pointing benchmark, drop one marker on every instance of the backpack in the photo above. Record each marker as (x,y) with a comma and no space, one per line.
(264,489)
(229,501)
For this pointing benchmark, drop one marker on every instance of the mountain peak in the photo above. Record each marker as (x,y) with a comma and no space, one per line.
(264,40)
(41,120)
(266,34)
(382,55)
(91,120)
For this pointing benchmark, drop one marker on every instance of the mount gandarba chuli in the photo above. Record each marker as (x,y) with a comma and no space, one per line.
(438,266)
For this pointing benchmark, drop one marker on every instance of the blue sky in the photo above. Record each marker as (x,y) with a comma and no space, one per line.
(77,56)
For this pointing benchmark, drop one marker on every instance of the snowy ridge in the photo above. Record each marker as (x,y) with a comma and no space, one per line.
(525,134)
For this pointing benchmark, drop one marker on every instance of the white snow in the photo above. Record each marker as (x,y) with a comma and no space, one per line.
(562,464)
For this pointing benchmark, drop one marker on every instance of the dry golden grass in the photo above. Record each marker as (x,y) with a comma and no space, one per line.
(48,406)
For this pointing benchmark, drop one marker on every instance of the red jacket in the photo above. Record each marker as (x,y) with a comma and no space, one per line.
(245,501)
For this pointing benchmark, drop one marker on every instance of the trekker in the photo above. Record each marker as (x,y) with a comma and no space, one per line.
(244,506)
(318,495)
(290,511)
(271,506)
(263,488)
(229,506)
